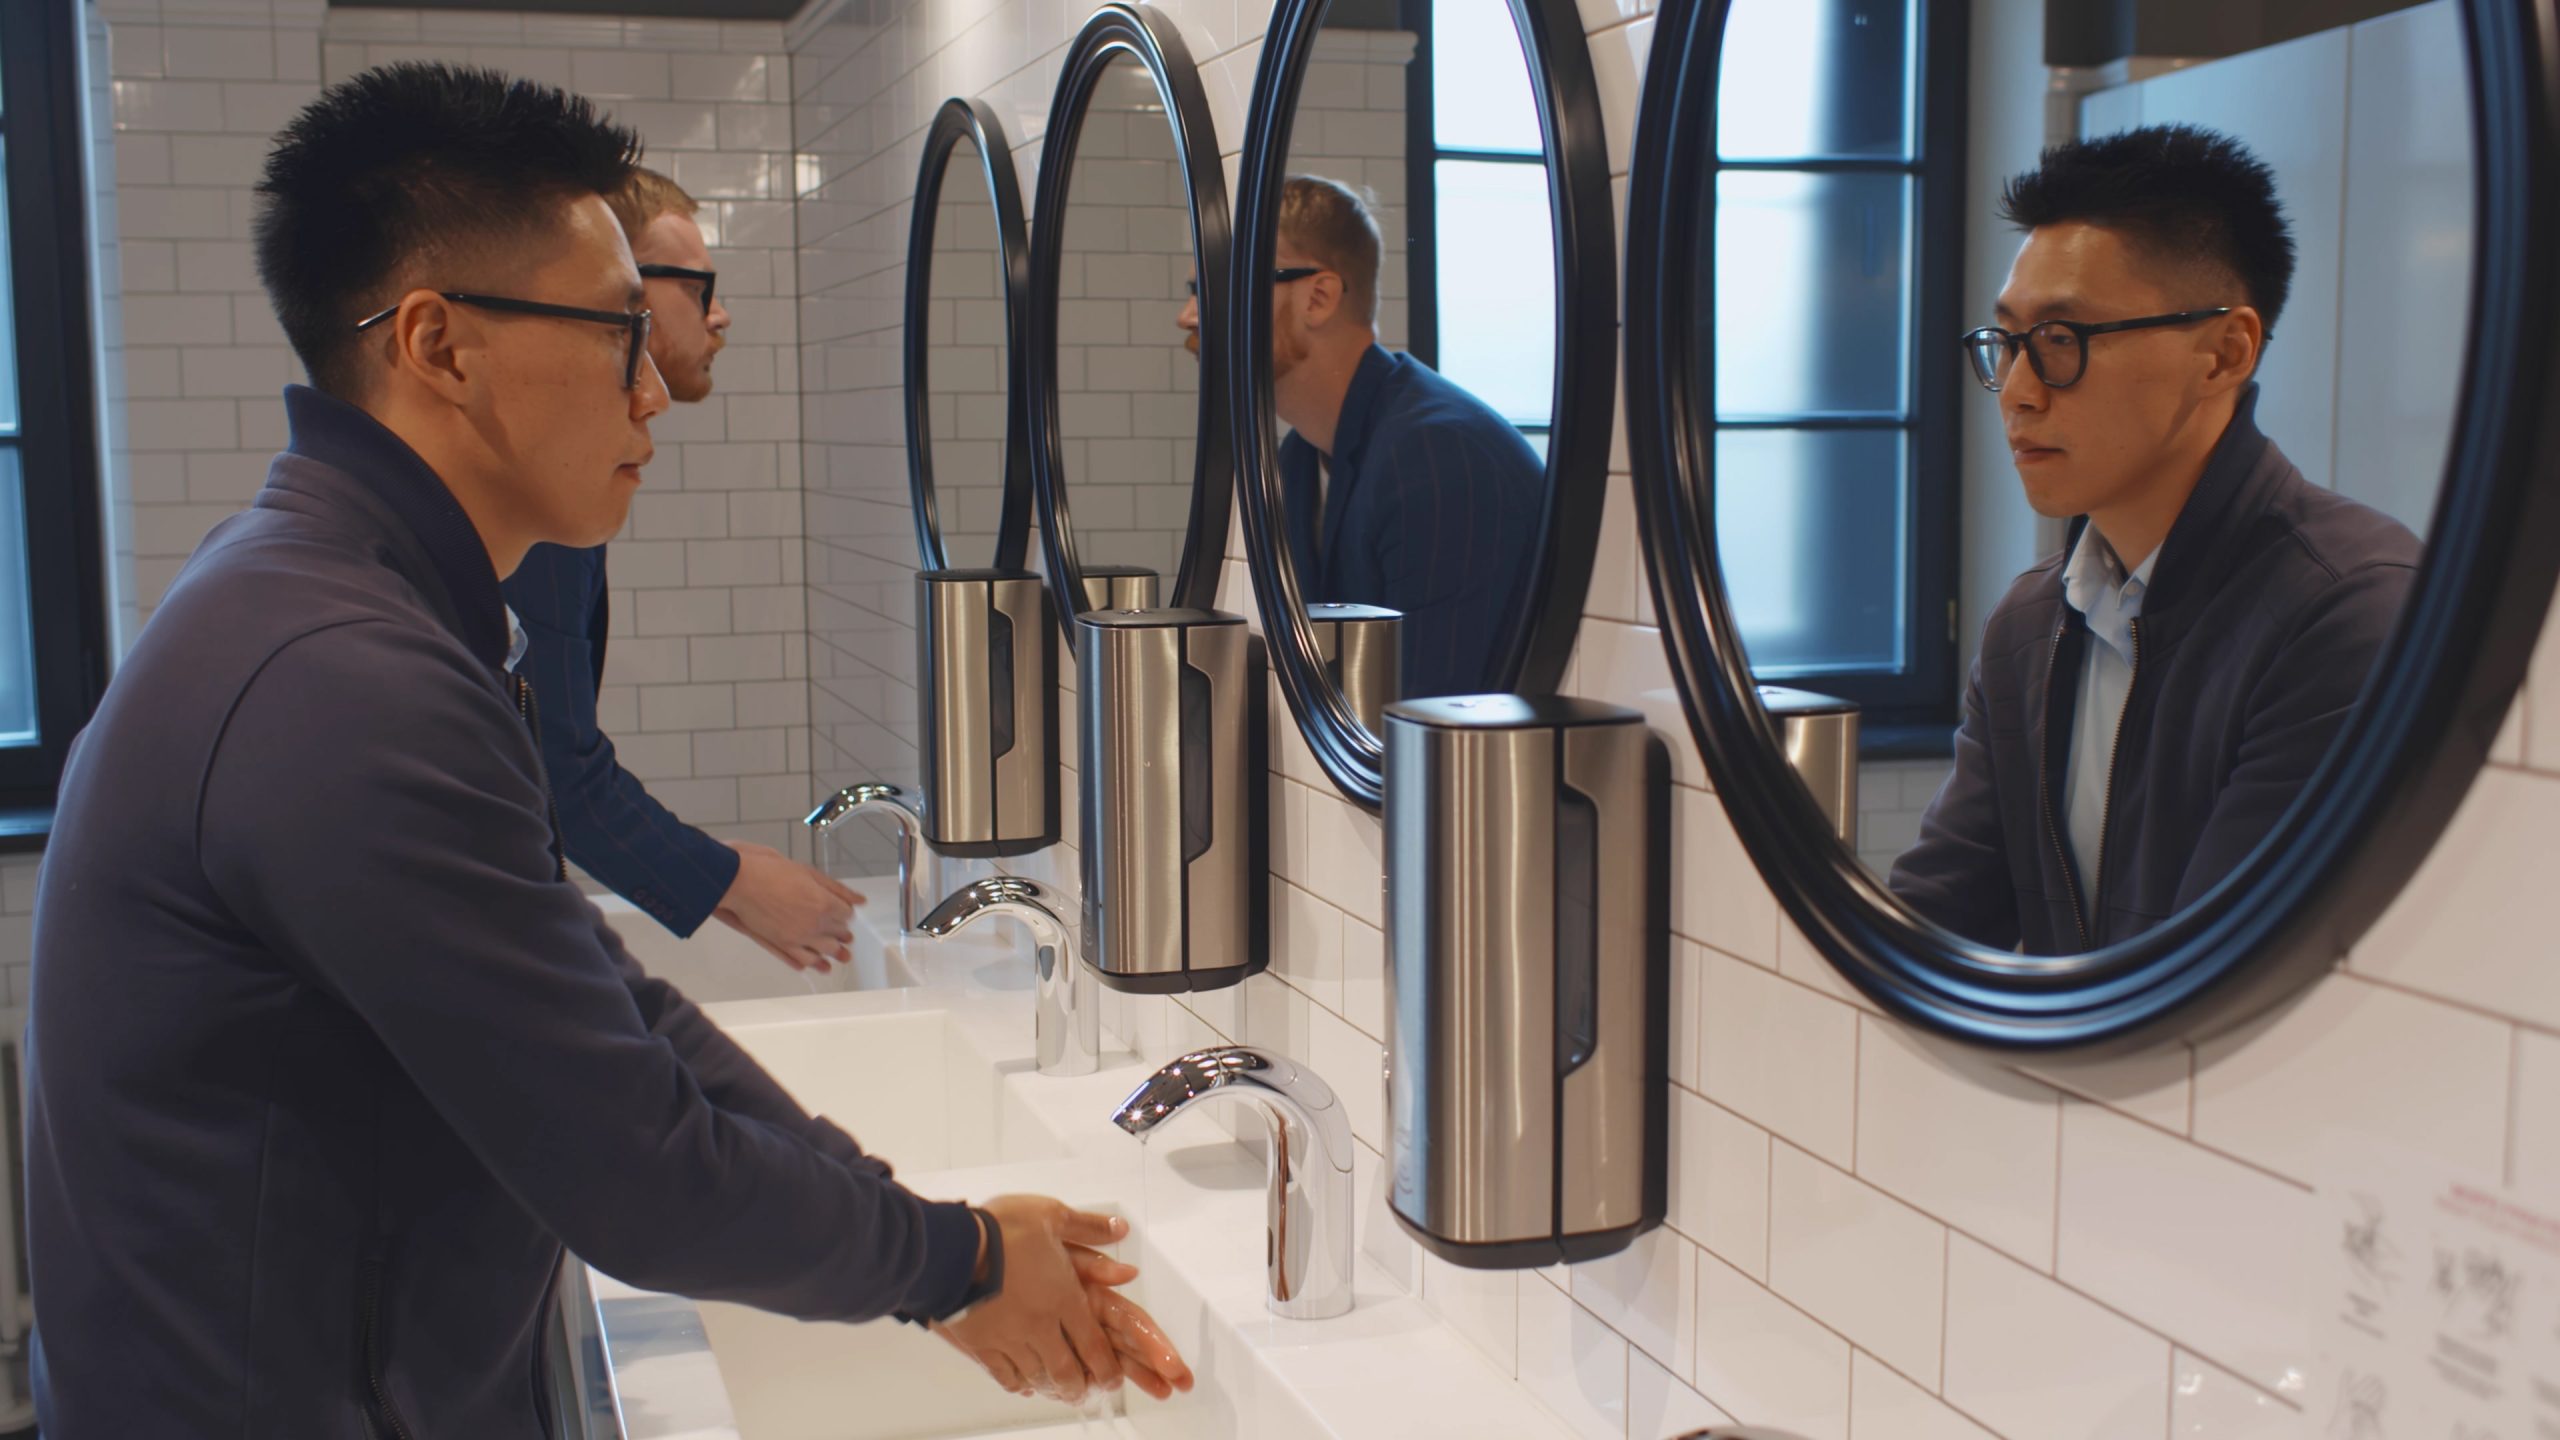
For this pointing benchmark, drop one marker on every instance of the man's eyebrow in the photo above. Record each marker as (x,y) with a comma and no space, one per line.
(2058,306)
(635,296)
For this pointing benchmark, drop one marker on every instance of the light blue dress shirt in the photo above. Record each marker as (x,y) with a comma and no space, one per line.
(2094,583)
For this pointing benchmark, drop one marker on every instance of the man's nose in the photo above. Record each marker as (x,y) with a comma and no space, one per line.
(717,321)
(649,398)
(1189,319)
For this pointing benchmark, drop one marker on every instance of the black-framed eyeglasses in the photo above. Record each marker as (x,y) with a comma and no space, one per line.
(679,272)
(2057,350)
(1278,277)
(636,322)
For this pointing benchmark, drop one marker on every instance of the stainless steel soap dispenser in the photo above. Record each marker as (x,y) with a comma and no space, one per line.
(1359,647)
(1175,785)
(1528,996)
(1820,734)
(1118,587)
(987,681)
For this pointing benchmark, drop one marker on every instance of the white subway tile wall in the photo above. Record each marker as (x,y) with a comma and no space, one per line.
(2111,1239)
(706,675)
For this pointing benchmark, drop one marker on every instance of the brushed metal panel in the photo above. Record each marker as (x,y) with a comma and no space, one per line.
(1361,649)
(1471,1030)
(952,619)
(1219,888)
(1129,685)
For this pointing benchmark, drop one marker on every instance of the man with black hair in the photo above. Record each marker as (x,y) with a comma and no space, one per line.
(2147,703)
(327,1059)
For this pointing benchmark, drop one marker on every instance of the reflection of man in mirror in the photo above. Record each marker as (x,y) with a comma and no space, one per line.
(2147,702)
(1403,490)
(613,828)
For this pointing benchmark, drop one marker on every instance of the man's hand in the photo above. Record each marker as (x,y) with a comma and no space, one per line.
(1041,1334)
(799,914)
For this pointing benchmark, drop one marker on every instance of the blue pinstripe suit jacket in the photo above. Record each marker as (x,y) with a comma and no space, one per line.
(1432,509)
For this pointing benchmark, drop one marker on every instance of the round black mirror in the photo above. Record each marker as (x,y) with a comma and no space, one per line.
(2247,601)
(968,443)
(1424,300)
(1130,215)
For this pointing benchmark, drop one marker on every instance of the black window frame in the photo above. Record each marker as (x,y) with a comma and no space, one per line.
(41,96)
(1914,708)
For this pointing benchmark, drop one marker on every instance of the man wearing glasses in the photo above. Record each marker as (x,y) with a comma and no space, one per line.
(614,829)
(1403,490)
(2147,703)
(327,1059)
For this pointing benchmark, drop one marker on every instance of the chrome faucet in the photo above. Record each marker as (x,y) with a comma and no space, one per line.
(1068,1028)
(1309,1245)
(919,868)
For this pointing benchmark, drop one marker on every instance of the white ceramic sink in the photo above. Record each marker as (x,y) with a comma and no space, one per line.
(938,1079)
(717,963)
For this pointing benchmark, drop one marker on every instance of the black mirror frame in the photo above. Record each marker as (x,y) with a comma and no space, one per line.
(2374,809)
(1541,644)
(1148,35)
(975,122)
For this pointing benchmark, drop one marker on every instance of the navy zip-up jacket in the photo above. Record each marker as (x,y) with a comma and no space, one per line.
(613,828)
(2270,602)
(328,1061)
(1432,509)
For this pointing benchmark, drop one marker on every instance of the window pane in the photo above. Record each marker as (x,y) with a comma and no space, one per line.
(1498,285)
(1815,79)
(1480,98)
(1810,527)
(8,319)
(1812,293)
(17,643)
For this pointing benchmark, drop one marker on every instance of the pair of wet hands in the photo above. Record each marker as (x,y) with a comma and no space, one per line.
(1145,1355)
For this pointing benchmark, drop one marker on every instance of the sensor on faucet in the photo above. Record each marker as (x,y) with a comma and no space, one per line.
(1309,1244)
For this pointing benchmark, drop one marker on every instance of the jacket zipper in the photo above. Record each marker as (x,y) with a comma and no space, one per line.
(373,1364)
(532,714)
(2115,747)
(2044,785)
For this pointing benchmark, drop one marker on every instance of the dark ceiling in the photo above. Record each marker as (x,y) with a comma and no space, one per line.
(645,9)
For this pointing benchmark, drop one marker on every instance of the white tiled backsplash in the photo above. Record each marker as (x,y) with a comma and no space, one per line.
(1872,1235)
(706,693)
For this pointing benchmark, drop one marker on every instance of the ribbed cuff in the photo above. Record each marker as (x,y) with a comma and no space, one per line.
(950,1261)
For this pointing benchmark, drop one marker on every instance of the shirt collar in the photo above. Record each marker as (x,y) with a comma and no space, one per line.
(337,434)
(2094,583)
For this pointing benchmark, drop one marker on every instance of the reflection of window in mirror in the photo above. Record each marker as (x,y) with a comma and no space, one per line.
(2223,336)
(1414,328)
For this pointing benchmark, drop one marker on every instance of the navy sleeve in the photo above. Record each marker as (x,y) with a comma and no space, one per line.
(408,872)
(609,823)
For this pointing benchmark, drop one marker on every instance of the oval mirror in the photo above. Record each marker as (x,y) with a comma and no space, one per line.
(1423,354)
(1126,381)
(968,445)
(2098,539)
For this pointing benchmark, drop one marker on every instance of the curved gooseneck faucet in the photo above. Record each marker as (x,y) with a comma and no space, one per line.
(1068,1032)
(1310,1201)
(919,869)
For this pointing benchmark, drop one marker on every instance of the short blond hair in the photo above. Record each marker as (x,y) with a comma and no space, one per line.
(1329,223)
(644,197)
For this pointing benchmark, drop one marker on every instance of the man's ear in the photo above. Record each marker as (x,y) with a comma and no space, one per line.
(2238,342)
(435,345)
(1324,297)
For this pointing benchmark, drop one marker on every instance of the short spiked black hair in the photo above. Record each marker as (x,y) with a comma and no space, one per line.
(2187,195)
(408,162)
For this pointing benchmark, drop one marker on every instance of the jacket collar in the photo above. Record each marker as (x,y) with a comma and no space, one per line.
(1351,435)
(334,433)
